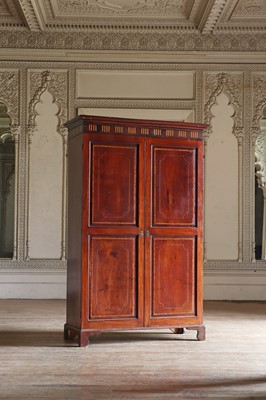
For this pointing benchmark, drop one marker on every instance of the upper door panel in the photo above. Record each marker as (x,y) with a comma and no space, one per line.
(173,186)
(114,186)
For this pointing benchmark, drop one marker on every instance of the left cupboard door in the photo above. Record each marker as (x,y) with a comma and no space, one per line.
(113,218)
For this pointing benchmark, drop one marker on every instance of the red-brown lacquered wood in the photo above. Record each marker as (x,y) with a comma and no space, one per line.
(113,273)
(135,226)
(173,267)
(74,253)
(114,173)
(174,189)
(172,276)
(113,248)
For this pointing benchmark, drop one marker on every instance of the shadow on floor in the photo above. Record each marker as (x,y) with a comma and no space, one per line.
(56,338)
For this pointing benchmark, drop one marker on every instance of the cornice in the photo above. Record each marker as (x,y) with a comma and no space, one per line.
(32,15)
(138,41)
(207,57)
(211,13)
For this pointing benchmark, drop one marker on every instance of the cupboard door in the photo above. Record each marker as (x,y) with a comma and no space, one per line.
(173,238)
(113,273)
(114,221)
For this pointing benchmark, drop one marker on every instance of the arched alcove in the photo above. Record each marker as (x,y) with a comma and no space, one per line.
(260,190)
(7,184)
(221,221)
(45,186)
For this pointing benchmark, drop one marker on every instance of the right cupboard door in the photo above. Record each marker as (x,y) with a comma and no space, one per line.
(173,238)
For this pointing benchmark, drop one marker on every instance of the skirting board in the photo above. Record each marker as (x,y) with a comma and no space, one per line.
(28,284)
(235,285)
(51,284)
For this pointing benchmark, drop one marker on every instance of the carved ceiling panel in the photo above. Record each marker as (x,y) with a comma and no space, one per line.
(243,15)
(184,16)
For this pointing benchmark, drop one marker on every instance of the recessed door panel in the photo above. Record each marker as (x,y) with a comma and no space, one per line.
(114,170)
(113,278)
(115,263)
(173,277)
(174,186)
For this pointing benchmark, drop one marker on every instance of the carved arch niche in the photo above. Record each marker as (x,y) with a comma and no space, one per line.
(9,101)
(223,98)
(46,160)
(258,159)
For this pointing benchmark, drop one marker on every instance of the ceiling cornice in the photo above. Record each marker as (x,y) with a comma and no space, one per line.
(210,15)
(35,55)
(32,15)
(134,41)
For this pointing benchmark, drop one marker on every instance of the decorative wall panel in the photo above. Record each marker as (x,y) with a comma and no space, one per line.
(223,166)
(9,96)
(245,88)
(135,84)
(46,140)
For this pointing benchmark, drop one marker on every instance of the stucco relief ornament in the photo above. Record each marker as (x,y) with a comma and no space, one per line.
(9,87)
(260,162)
(231,84)
(257,132)
(123,5)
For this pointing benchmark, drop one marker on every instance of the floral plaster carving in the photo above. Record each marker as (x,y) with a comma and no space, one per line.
(232,85)
(9,90)
(121,7)
(149,39)
(56,84)
(248,8)
(258,135)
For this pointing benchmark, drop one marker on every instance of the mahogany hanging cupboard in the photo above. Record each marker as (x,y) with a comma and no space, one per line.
(134,226)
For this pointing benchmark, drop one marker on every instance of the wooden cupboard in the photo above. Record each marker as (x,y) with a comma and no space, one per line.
(134,226)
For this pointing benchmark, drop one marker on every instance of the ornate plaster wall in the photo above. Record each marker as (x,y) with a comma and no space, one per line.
(22,87)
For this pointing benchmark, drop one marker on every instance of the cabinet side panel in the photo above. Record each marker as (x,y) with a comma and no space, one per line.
(74,264)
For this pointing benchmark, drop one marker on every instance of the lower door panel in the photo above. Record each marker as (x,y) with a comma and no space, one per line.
(171,285)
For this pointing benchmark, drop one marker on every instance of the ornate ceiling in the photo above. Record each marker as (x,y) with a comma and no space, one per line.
(192,19)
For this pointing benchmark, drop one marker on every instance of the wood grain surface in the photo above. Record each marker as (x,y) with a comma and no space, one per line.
(36,362)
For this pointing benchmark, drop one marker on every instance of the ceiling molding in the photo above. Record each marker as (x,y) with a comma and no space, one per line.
(36,55)
(210,15)
(135,41)
(181,16)
(32,15)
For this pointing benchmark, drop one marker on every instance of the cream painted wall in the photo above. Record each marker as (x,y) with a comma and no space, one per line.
(45,186)
(135,84)
(221,195)
(167,115)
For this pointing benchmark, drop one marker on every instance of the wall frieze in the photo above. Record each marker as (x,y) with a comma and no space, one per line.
(134,40)
(9,93)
